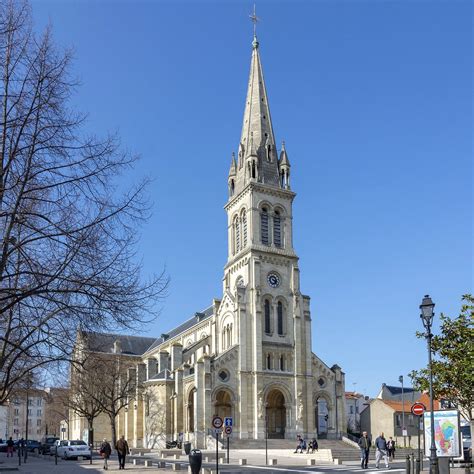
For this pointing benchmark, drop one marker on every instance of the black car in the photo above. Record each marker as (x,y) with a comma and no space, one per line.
(33,446)
(47,442)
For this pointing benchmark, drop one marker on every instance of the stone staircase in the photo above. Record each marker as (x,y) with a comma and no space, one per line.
(340,450)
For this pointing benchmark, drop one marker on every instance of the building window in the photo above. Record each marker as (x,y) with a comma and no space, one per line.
(267,317)
(282,363)
(269,362)
(321,382)
(277,229)
(351,410)
(236,234)
(38,412)
(30,411)
(38,422)
(16,412)
(224,375)
(280,318)
(39,402)
(15,421)
(398,420)
(264,226)
(244,229)
(357,410)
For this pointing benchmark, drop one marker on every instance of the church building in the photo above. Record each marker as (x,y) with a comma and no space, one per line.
(248,355)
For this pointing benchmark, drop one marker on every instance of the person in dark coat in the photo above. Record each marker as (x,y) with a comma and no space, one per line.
(10,445)
(122,451)
(105,451)
(381,451)
(364,445)
(391,448)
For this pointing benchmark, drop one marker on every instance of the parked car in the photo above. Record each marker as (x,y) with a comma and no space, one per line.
(47,442)
(72,449)
(33,446)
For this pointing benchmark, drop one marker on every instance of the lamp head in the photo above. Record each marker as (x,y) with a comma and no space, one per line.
(427,312)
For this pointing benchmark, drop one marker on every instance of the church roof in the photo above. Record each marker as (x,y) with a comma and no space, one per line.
(131,345)
(188,324)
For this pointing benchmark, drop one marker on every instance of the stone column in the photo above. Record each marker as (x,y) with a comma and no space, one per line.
(176,356)
(178,422)
(163,361)
(152,367)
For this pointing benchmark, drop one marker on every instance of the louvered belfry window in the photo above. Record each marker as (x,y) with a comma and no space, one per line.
(277,229)
(244,229)
(264,226)
(237,234)
(280,318)
(267,317)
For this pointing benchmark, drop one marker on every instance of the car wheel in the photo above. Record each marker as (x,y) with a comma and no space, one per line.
(35,451)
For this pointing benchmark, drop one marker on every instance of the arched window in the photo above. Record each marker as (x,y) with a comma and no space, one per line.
(282,362)
(267,317)
(237,234)
(244,229)
(264,226)
(269,362)
(280,318)
(277,229)
(231,188)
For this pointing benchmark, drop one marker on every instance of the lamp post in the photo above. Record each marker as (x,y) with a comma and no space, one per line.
(400,379)
(426,316)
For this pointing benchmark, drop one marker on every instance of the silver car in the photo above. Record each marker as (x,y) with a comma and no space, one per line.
(72,449)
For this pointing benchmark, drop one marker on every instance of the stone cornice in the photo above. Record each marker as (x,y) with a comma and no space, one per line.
(262,188)
(268,252)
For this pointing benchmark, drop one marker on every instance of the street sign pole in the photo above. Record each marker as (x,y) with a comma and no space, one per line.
(228,443)
(217,452)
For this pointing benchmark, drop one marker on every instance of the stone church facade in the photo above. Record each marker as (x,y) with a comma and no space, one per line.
(249,354)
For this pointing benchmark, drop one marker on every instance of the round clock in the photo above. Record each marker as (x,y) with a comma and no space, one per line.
(273,280)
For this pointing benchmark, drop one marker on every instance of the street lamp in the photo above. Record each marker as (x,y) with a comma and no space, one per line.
(426,316)
(400,379)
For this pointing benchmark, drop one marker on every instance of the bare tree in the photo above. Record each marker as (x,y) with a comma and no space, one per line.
(155,420)
(67,237)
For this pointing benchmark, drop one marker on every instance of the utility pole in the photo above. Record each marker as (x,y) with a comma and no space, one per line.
(400,379)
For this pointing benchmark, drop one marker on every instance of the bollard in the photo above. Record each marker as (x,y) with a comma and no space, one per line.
(407,464)
(417,466)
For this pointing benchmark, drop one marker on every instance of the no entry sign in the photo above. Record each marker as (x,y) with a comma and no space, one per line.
(418,409)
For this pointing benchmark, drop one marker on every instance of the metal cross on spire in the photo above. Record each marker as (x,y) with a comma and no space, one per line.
(254,19)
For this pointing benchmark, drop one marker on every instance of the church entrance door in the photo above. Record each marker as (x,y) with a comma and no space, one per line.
(191,411)
(276,414)
(223,404)
(322,417)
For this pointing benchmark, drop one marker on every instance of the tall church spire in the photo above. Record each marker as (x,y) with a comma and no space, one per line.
(257,120)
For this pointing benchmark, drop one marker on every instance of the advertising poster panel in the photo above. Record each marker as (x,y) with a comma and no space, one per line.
(447,433)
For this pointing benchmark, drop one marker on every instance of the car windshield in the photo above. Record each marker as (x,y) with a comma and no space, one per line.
(78,443)
(51,440)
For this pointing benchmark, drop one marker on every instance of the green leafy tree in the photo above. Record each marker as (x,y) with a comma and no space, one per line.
(453,373)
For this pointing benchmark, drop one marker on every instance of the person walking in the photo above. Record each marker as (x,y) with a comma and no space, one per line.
(391,449)
(10,445)
(122,451)
(105,451)
(364,445)
(381,451)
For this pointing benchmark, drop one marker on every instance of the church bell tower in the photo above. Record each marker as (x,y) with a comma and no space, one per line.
(261,276)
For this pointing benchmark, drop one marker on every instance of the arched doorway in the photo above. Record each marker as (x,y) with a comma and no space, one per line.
(223,404)
(191,410)
(276,414)
(321,417)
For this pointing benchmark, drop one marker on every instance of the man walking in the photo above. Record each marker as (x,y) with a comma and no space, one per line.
(122,451)
(105,451)
(381,451)
(10,445)
(364,445)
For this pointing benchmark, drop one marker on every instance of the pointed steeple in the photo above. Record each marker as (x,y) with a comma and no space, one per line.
(233,166)
(283,156)
(257,119)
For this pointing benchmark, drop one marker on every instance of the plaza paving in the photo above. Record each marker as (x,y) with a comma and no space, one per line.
(39,465)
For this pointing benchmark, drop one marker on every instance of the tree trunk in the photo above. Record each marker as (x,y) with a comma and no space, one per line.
(113,429)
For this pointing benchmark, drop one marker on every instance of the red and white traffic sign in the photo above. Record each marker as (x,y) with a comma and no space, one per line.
(418,409)
(217,422)
(228,430)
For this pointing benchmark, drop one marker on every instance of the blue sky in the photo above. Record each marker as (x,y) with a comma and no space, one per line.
(373,99)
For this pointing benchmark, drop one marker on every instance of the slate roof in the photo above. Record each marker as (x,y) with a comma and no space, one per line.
(188,324)
(132,345)
(394,390)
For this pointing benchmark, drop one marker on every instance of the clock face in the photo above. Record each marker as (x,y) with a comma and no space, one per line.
(273,280)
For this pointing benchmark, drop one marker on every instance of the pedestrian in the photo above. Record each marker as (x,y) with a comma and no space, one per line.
(299,443)
(10,445)
(364,445)
(105,451)
(391,448)
(122,451)
(315,444)
(312,445)
(303,445)
(381,451)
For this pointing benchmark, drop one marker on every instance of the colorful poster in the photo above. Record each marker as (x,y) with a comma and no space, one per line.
(447,433)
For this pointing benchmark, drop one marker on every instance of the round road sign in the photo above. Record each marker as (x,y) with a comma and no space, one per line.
(418,409)
(217,422)
(228,430)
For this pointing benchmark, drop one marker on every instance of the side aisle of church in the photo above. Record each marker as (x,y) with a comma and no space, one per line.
(248,355)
